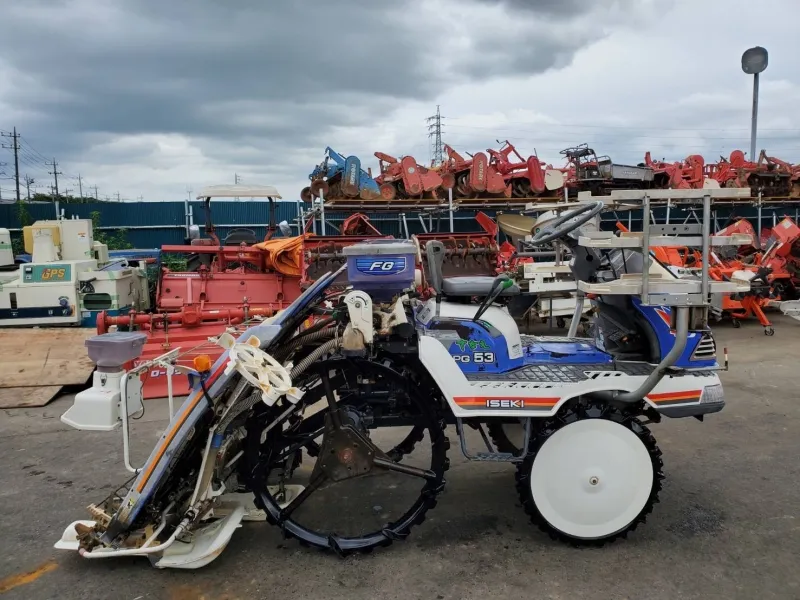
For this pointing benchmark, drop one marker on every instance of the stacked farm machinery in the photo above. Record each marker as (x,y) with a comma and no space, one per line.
(505,175)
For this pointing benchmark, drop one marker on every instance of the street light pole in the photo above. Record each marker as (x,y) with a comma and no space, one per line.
(754,119)
(754,61)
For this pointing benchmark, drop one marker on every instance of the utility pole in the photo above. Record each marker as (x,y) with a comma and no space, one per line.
(94,187)
(236,180)
(2,164)
(15,146)
(67,192)
(435,132)
(117,194)
(80,186)
(28,183)
(55,173)
(140,198)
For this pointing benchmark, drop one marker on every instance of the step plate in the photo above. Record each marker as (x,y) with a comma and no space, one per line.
(563,373)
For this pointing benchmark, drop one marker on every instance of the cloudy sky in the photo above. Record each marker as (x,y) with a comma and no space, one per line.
(148,97)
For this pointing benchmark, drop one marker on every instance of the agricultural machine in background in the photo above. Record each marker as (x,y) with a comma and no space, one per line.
(769,176)
(340,177)
(527,177)
(405,178)
(599,174)
(473,177)
(466,253)
(226,284)
(689,173)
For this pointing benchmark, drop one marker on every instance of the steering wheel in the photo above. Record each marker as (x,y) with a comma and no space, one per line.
(564,224)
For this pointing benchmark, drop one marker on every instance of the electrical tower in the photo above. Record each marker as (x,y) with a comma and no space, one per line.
(55,173)
(15,146)
(435,135)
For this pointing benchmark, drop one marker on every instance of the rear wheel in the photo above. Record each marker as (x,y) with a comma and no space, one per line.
(591,476)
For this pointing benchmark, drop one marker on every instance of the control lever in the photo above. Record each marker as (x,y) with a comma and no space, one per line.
(434,253)
(501,283)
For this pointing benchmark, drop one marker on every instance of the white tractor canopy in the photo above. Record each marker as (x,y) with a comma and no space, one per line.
(239,191)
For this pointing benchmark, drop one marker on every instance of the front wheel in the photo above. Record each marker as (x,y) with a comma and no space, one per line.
(591,476)
(360,488)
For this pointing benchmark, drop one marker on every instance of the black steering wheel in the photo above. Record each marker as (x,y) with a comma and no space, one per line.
(564,224)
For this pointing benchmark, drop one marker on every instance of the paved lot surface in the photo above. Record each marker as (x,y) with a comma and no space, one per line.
(728,525)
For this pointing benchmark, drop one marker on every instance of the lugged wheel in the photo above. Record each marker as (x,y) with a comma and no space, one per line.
(368,395)
(592,475)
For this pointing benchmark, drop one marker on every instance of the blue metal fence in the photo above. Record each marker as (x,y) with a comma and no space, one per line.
(153,224)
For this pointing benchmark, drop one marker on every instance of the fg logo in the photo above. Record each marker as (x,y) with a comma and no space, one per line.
(384,266)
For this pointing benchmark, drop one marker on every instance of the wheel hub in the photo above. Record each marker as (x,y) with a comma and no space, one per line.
(345,452)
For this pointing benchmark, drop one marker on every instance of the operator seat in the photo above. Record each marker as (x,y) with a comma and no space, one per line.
(462,288)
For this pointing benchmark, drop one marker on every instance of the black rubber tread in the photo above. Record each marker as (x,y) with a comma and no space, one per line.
(595,410)
(400,529)
(500,439)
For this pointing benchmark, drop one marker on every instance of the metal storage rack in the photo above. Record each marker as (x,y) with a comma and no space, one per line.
(653,289)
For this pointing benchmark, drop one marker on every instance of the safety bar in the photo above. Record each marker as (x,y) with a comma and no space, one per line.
(166,360)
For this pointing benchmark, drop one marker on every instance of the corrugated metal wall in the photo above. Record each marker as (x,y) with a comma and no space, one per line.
(152,224)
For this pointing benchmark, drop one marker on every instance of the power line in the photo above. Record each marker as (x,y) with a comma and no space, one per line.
(33,150)
(435,132)
(15,145)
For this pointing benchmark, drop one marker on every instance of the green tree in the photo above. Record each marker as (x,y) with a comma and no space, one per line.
(116,241)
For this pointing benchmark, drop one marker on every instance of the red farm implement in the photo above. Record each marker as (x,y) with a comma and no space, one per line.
(770,177)
(405,178)
(527,177)
(474,177)
(683,175)
(324,253)
(467,253)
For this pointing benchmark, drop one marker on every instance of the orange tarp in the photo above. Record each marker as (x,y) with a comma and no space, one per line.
(285,255)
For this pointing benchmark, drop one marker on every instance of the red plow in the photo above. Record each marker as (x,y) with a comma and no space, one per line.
(406,178)
(527,177)
(473,177)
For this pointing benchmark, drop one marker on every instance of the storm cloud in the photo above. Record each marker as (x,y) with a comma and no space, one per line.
(149,97)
